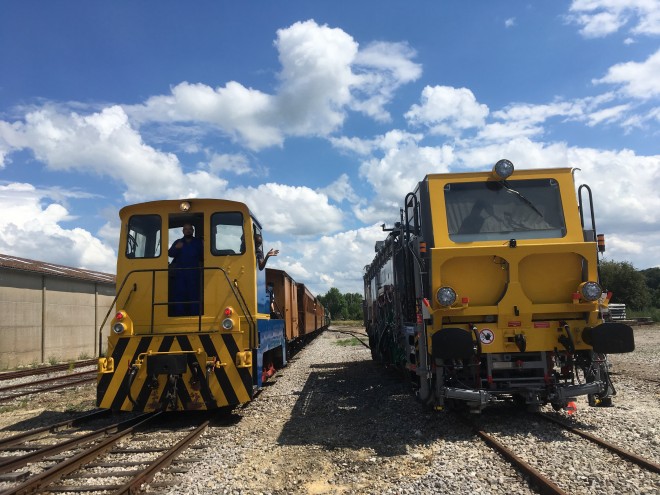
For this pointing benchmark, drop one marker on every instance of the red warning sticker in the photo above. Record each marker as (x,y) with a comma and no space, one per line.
(541,324)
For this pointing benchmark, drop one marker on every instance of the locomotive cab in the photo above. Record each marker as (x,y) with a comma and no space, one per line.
(192,326)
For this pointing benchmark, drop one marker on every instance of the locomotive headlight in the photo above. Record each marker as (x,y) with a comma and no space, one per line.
(590,291)
(503,169)
(184,206)
(119,328)
(446,296)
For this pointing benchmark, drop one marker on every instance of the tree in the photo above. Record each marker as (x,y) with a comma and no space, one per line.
(354,305)
(343,306)
(652,276)
(628,286)
(335,303)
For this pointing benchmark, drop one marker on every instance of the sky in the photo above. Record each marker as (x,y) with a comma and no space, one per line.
(320,116)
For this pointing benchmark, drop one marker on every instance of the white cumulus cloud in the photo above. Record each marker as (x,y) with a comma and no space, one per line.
(446,110)
(289,209)
(599,18)
(637,79)
(30,227)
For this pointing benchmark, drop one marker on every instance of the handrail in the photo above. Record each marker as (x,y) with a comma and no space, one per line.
(591,207)
(235,289)
(244,307)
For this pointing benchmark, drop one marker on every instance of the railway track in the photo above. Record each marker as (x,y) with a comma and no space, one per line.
(19,390)
(533,470)
(118,458)
(12,375)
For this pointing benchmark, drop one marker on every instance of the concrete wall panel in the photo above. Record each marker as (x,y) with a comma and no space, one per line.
(20,325)
(50,318)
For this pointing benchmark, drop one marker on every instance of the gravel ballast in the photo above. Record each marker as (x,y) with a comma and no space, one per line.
(335,422)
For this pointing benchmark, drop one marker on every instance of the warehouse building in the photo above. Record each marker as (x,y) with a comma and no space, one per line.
(51,312)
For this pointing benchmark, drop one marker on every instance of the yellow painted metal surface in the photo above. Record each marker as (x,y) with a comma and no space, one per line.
(526,289)
(218,361)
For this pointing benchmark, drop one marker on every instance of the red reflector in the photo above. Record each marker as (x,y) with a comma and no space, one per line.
(227,311)
(571,408)
(465,300)
(119,316)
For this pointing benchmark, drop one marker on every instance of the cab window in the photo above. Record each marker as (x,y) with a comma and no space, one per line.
(228,234)
(520,209)
(143,236)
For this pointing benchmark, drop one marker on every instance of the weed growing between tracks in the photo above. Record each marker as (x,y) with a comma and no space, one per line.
(348,342)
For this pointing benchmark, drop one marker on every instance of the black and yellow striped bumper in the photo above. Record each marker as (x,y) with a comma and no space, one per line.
(183,372)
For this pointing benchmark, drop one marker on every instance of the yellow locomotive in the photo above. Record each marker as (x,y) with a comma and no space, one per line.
(192,327)
(487,289)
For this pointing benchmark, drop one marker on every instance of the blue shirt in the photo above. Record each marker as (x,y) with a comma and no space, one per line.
(190,255)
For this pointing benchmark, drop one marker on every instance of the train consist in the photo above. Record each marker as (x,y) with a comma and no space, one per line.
(202,324)
(487,289)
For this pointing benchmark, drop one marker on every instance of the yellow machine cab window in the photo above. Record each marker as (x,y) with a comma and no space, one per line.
(501,210)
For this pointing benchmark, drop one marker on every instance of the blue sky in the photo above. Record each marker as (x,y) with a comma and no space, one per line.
(321,116)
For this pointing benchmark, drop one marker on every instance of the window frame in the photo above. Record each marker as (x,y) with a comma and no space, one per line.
(214,225)
(478,191)
(158,237)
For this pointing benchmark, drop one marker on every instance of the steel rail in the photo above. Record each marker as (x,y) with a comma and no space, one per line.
(13,463)
(544,485)
(47,380)
(39,482)
(38,432)
(11,375)
(133,486)
(48,389)
(625,454)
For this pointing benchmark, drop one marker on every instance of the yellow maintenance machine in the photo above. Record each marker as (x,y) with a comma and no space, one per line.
(488,289)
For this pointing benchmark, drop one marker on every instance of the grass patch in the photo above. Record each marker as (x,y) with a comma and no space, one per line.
(348,342)
(19,406)
(653,313)
(347,323)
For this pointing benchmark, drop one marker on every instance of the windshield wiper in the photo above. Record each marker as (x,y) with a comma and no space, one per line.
(522,198)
